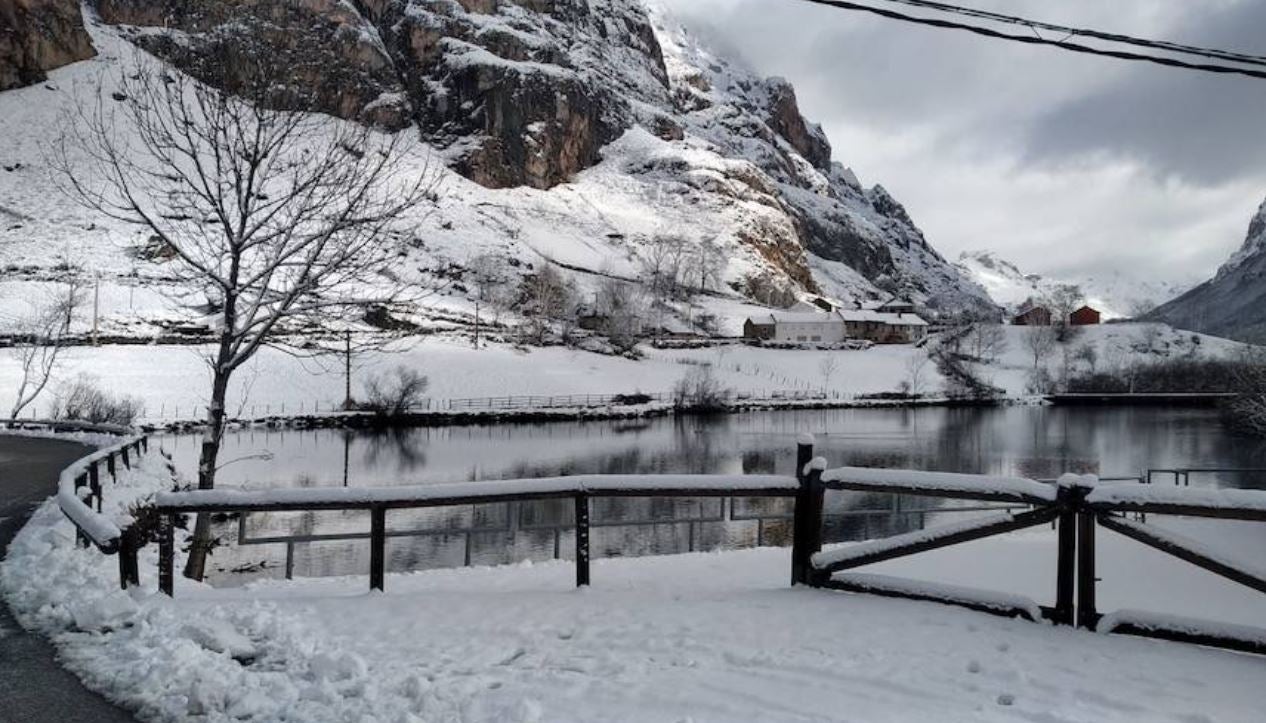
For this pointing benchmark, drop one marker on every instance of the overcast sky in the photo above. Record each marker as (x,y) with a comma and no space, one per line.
(1065,164)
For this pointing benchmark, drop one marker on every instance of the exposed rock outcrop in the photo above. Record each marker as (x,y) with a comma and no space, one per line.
(1233,303)
(37,36)
(317,54)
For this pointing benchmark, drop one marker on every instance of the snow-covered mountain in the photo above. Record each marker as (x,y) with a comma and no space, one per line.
(573,131)
(1115,295)
(1233,302)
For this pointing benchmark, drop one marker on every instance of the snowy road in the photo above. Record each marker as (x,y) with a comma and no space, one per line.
(32,686)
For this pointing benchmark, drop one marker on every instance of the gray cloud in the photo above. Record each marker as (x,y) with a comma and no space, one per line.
(1064,163)
(1202,128)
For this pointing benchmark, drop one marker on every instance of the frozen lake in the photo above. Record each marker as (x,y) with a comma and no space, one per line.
(1038,442)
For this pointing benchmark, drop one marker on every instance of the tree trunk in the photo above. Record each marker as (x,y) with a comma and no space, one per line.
(195,567)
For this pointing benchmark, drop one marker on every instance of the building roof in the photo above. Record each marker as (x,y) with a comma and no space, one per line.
(840,315)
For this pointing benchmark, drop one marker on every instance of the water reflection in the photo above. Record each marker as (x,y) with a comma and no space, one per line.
(1040,442)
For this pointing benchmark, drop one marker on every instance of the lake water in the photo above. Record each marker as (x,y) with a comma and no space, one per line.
(1037,442)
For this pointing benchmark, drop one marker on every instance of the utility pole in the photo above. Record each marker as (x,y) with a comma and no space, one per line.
(96,309)
(347,370)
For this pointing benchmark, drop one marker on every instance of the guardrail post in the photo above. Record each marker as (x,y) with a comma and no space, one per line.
(807,516)
(582,540)
(377,546)
(166,554)
(1066,561)
(129,569)
(94,483)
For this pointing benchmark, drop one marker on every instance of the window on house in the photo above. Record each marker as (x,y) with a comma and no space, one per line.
(817,338)
(800,338)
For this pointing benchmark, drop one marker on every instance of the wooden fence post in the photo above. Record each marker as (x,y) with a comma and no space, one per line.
(127,462)
(1087,615)
(582,540)
(166,554)
(110,466)
(377,546)
(807,517)
(1065,565)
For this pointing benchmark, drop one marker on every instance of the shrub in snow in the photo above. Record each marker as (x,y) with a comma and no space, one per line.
(700,391)
(394,393)
(84,401)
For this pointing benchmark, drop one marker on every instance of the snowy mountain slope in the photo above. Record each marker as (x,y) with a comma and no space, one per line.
(645,134)
(1233,302)
(1113,294)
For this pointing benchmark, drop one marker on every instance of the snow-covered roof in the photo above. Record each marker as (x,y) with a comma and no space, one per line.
(785,317)
(841,315)
(881,317)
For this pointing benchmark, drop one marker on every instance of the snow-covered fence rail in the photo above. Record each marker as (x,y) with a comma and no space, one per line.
(1077,504)
(379,500)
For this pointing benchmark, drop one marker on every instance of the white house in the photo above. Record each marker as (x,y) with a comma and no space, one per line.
(836,326)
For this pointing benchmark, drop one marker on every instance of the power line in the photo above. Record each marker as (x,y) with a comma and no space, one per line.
(1214,53)
(1063,44)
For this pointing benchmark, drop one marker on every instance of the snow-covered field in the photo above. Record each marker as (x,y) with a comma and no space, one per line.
(699,637)
(172,380)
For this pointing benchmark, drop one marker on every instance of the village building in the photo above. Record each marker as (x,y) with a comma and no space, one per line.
(1033,316)
(837,327)
(1085,316)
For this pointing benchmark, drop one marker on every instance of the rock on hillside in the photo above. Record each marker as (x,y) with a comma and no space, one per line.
(1233,303)
(37,36)
(608,97)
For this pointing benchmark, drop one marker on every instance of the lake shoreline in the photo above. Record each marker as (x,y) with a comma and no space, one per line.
(432,419)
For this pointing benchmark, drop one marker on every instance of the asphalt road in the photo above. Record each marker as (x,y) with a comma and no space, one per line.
(33,687)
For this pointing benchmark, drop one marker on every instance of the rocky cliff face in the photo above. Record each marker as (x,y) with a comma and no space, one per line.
(530,93)
(1233,303)
(37,36)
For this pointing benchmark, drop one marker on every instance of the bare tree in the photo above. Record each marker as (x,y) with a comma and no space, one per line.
(39,335)
(987,340)
(1039,341)
(279,218)
(488,276)
(1063,300)
(916,373)
(623,305)
(548,298)
(827,367)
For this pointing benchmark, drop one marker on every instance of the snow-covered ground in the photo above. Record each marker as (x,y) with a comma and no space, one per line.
(172,380)
(700,637)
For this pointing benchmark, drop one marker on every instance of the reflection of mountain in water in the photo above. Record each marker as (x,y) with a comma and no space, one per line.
(1028,441)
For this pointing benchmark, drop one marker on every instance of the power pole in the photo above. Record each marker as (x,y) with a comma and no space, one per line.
(96,308)
(347,370)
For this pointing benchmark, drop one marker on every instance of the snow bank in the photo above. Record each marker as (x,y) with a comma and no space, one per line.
(948,483)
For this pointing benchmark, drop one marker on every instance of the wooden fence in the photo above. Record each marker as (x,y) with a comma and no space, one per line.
(1076,505)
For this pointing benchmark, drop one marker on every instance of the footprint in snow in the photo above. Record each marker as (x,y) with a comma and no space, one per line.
(1006,699)
(973,666)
